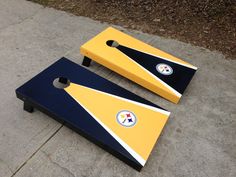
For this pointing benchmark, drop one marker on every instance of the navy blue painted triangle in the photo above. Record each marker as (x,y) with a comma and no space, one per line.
(41,94)
(178,80)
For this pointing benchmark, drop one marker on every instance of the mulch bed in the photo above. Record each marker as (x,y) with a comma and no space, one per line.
(210,24)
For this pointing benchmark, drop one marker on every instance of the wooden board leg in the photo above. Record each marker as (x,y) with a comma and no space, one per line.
(86,61)
(27,107)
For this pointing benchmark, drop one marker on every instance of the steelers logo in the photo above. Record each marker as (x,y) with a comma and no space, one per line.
(164,69)
(126,118)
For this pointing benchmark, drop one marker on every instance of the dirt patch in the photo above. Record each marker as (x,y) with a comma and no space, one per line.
(210,24)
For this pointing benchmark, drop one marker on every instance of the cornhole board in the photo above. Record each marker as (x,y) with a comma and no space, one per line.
(158,71)
(117,120)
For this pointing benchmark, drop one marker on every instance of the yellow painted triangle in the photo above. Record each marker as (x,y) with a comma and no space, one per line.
(104,107)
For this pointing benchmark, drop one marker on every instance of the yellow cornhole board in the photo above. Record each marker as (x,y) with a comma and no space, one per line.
(156,70)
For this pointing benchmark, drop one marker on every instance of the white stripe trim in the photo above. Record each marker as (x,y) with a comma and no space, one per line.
(155,77)
(131,101)
(126,146)
(189,66)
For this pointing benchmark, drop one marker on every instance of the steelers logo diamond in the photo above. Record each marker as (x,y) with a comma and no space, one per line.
(164,69)
(126,118)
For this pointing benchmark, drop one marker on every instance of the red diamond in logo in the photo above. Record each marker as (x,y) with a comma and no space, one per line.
(128,115)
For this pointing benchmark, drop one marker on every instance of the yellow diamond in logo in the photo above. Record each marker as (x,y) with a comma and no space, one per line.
(122,116)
